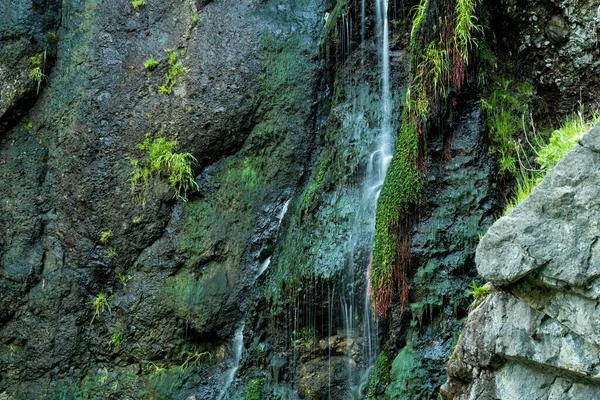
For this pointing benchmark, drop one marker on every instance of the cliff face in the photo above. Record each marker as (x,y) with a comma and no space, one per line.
(535,336)
(173,273)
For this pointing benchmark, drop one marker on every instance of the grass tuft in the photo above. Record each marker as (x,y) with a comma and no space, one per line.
(161,161)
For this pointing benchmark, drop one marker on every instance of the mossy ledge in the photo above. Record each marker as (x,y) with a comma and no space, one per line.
(439,53)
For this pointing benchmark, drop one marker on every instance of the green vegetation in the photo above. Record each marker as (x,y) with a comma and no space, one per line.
(195,18)
(100,304)
(379,377)
(465,26)
(478,292)
(37,64)
(175,70)
(138,3)
(436,64)
(316,184)
(307,337)
(193,358)
(254,389)
(115,340)
(124,278)
(160,160)
(408,375)
(151,63)
(111,252)
(560,143)
(27,125)
(105,237)
(51,38)
(505,109)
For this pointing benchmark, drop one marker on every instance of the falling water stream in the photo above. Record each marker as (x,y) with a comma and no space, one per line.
(376,168)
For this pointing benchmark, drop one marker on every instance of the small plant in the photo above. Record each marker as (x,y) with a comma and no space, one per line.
(193,358)
(100,304)
(27,125)
(111,252)
(51,38)
(12,348)
(175,70)
(136,220)
(162,161)
(105,237)
(254,389)
(138,3)
(124,278)
(478,292)
(195,18)
(153,368)
(453,356)
(115,340)
(37,63)
(151,63)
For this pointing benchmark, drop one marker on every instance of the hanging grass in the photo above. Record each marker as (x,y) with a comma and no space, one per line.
(436,63)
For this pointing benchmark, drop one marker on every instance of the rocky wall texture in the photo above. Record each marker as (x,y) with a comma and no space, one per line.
(554,44)
(174,273)
(535,336)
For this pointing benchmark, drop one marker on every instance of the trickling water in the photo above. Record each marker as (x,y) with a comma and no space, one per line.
(238,344)
(283,212)
(263,266)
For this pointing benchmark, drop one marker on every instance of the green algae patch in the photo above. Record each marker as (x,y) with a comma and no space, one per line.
(407,376)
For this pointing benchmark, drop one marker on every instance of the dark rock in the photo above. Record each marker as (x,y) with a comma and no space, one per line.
(557,30)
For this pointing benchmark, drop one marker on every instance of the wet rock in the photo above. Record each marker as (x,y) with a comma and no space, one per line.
(323,378)
(535,335)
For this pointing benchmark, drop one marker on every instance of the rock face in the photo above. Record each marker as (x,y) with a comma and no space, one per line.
(536,335)
(174,273)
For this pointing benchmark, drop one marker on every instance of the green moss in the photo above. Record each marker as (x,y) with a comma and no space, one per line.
(105,237)
(186,295)
(175,70)
(151,63)
(379,376)
(333,17)
(407,376)
(433,72)
(51,38)
(316,184)
(254,389)
(401,190)
(138,3)
(115,340)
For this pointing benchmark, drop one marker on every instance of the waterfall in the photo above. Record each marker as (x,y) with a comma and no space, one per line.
(356,313)
(238,344)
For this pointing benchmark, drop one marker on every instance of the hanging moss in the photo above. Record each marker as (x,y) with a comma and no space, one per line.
(437,61)
(401,190)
